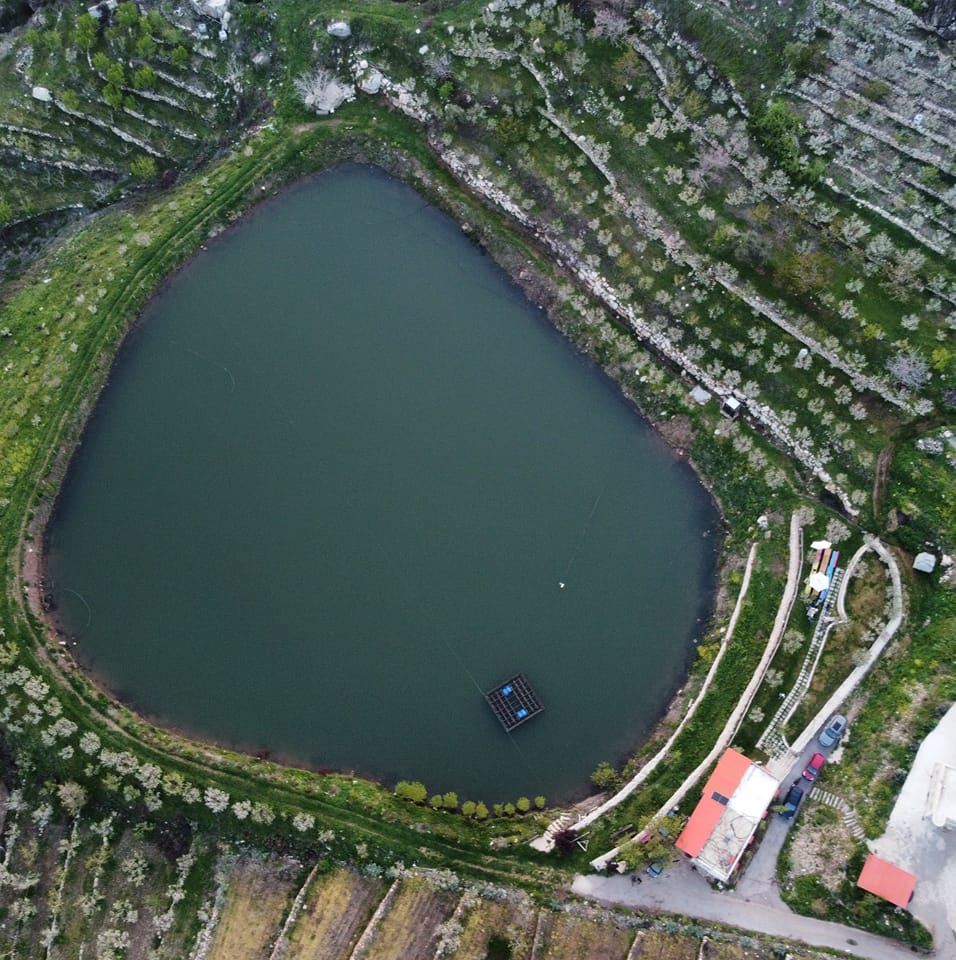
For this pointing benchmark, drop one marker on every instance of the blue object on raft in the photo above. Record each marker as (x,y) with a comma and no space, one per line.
(513,702)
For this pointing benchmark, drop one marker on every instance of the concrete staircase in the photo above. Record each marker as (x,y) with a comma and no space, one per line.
(771,740)
(545,843)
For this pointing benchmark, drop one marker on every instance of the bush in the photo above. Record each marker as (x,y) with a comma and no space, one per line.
(805,58)
(144,78)
(144,168)
(511,130)
(876,90)
(411,790)
(806,273)
(779,130)
(523,804)
(604,775)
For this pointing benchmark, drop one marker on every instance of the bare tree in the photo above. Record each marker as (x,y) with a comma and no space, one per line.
(438,65)
(910,369)
(322,91)
(609,25)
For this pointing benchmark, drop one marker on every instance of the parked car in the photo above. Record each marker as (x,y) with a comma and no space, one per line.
(832,731)
(813,768)
(791,802)
(655,869)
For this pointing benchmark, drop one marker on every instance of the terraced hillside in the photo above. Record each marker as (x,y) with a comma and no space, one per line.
(89,104)
(94,888)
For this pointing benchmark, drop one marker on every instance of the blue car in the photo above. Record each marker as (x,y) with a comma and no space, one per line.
(791,802)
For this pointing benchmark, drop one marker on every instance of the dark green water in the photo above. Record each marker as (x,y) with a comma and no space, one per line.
(331,489)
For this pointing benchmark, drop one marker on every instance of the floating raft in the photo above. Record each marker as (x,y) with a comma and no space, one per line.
(514,702)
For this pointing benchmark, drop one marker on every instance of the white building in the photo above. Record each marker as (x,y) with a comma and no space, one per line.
(736,796)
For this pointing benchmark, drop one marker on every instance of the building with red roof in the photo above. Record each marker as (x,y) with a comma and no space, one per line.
(887,881)
(735,798)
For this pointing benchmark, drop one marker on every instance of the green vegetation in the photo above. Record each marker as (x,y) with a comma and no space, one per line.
(780,130)
(856,907)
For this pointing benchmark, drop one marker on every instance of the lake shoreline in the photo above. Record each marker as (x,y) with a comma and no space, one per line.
(537,288)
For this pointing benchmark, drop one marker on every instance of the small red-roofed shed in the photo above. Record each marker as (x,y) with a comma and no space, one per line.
(887,881)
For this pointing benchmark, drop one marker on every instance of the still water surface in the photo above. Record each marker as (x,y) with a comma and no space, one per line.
(331,490)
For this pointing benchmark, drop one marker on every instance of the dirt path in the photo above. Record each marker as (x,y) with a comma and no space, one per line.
(882,475)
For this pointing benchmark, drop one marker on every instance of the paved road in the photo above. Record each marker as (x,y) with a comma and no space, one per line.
(755,903)
(759,881)
(680,890)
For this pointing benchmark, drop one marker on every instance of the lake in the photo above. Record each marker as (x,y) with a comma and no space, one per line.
(330,494)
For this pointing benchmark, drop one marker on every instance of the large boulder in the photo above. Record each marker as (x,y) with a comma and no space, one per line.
(371,81)
(214,9)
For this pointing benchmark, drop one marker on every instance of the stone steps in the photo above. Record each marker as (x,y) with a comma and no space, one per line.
(545,843)
(850,818)
(771,740)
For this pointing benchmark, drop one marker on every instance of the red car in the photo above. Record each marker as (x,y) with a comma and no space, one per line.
(813,768)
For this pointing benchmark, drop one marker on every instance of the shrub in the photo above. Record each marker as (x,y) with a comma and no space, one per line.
(804,273)
(603,776)
(876,90)
(411,790)
(144,78)
(565,842)
(143,168)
